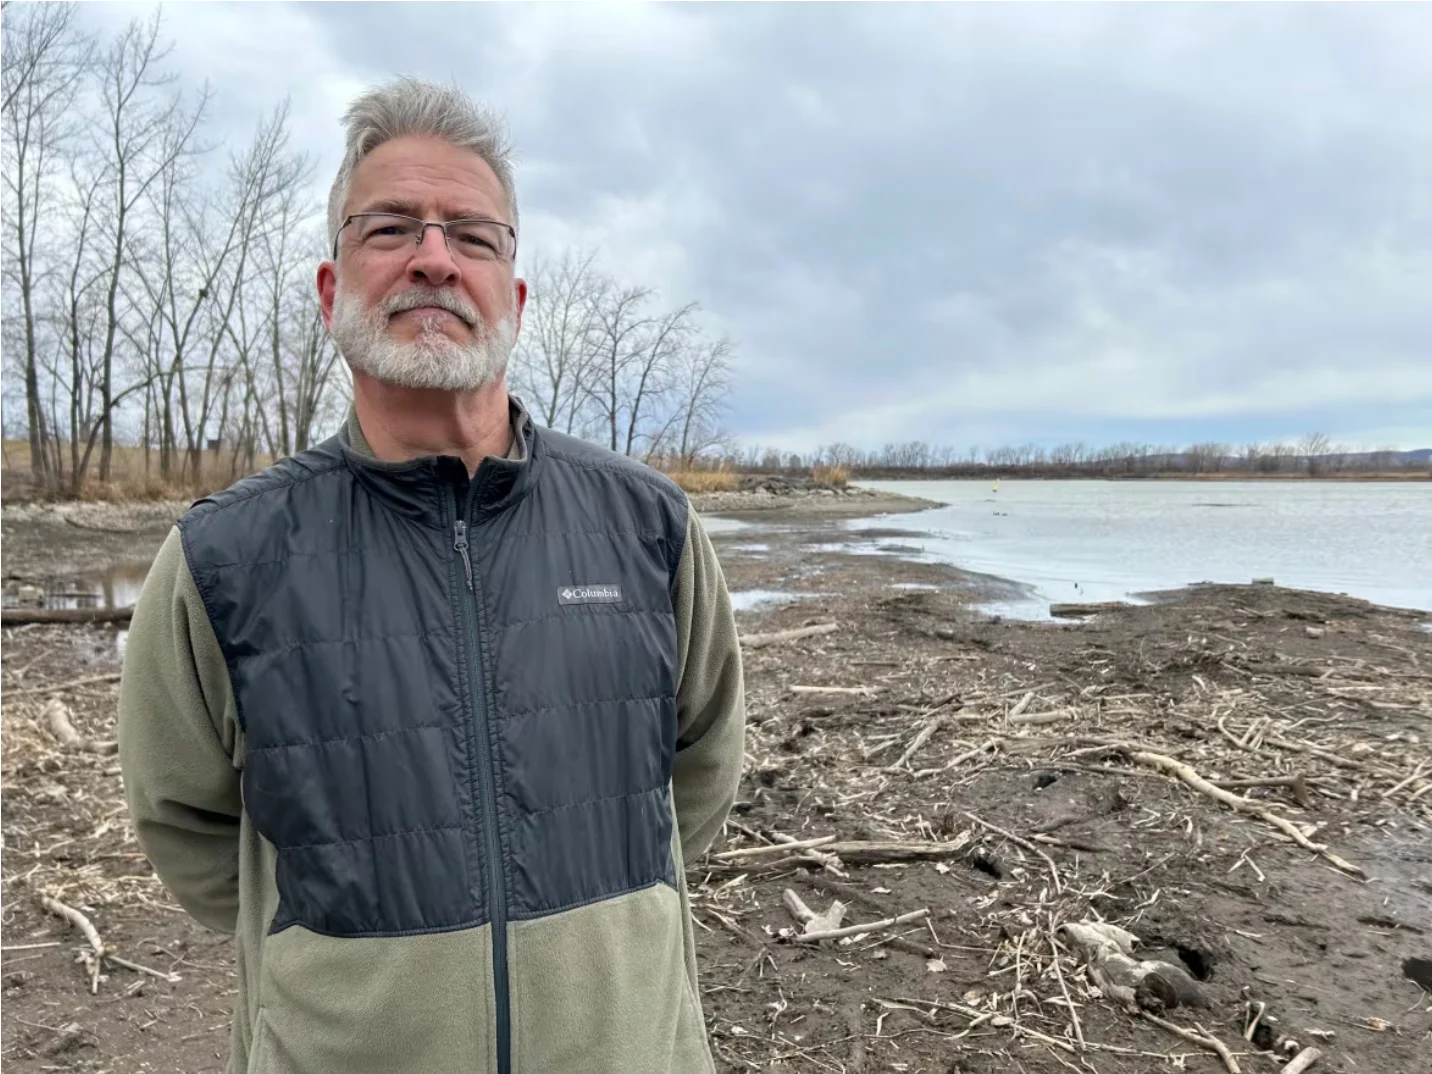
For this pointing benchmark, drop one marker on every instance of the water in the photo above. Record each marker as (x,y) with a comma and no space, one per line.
(750,600)
(1111,540)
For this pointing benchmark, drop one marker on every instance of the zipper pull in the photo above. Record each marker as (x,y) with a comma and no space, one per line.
(460,545)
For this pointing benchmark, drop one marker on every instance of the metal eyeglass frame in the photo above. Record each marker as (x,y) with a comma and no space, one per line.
(425,224)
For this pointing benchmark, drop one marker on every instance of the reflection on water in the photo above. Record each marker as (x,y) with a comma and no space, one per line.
(117,586)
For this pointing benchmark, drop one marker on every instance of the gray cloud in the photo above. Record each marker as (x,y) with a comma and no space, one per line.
(961,223)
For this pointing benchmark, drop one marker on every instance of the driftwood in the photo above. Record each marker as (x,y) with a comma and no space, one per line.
(22,616)
(98,953)
(1080,611)
(858,930)
(88,680)
(57,718)
(853,852)
(812,921)
(926,733)
(1303,1061)
(86,926)
(1297,784)
(751,852)
(1109,952)
(760,641)
(1243,805)
(1203,1040)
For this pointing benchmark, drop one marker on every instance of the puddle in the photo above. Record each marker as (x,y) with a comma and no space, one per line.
(716,524)
(117,586)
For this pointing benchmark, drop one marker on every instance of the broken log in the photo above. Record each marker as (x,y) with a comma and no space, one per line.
(1081,611)
(760,641)
(24,616)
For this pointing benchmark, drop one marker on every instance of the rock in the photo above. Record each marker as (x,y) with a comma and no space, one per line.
(1313,631)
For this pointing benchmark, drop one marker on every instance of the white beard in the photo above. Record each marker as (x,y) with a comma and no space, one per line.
(432,360)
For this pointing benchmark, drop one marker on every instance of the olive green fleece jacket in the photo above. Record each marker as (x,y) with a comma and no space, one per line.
(608,988)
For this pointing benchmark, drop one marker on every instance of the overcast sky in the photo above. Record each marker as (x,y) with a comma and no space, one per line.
(971,225)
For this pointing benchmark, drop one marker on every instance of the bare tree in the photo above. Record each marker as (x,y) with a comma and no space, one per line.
(648,380)
(620,330)
(559,336)
(1313,447)
(700,390)
(44,59)
(138,135)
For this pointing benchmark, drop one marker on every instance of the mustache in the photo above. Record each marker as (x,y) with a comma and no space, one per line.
(423,296)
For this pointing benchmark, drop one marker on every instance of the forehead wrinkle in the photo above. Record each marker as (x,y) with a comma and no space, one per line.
(414,172)
(404,207)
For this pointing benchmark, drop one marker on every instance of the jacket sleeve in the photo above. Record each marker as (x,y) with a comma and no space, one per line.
(710,696)
(178,739)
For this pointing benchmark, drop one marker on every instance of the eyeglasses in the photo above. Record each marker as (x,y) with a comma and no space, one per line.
(476,239)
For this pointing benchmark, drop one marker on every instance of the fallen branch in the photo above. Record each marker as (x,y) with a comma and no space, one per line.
(1203,1040)
(1403,783)
(1311,671)
(1053,716)
(1063,987)
(90,680)
(772,848)
(22,616)
(857,930)
(926,733)
(855,1029)
(872,853)
(1297,784)
(1027,845)
(1242,805)
(1303,1061)
(86,927)
(860,691)
(760,641)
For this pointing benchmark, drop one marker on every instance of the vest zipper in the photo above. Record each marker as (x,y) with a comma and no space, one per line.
(496,890)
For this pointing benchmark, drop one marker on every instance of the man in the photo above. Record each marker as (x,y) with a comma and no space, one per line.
(431,715)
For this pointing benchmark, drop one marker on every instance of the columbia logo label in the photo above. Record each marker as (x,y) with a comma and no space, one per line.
(589,594)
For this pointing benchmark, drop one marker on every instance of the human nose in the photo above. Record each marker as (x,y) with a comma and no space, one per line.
(432,262)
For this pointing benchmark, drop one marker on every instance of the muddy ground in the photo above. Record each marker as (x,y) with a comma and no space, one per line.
(1035,800)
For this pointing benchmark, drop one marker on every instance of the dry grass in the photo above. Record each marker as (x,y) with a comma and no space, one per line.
(132,481)
(834,476)
(704,480)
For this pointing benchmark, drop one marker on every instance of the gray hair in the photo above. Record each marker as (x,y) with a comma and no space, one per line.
(408,106)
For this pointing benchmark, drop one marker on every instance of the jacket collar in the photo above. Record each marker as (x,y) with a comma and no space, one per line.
(435,489)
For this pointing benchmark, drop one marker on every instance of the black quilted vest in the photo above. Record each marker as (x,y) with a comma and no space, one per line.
(438,736)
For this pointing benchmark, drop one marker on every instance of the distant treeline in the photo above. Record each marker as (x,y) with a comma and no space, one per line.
(1312,456)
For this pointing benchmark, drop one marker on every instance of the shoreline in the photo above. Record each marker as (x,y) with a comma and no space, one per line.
(987,771)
